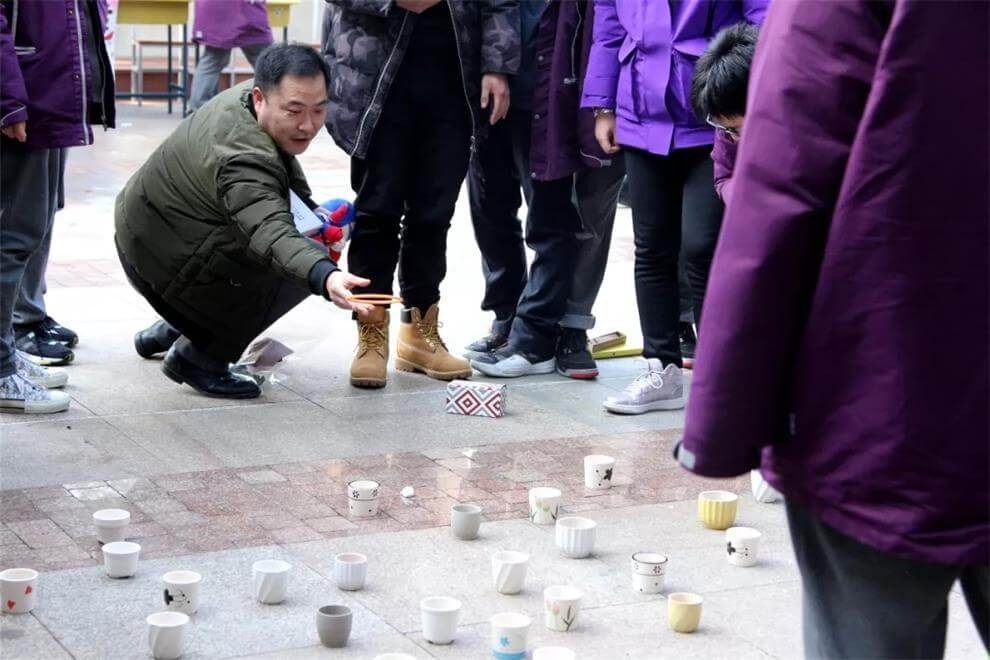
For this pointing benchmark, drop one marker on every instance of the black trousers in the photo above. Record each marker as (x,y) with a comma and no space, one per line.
(863,603)
(497,172)
(202,344)
(408,184)
(675,209)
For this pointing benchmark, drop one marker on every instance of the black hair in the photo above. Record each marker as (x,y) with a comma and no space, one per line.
(280,60)
(721,75)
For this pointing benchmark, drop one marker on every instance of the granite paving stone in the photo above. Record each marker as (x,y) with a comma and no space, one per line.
(23,636)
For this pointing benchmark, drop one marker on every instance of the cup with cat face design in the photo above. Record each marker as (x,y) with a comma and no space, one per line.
(181,592)
(598,471)
(742,544)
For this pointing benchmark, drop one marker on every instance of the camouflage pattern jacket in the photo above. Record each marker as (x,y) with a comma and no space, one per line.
(364,42)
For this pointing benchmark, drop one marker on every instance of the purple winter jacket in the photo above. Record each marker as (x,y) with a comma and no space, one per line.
(563,137)
(45,71)
(857,231)
(642,62)
(231,23)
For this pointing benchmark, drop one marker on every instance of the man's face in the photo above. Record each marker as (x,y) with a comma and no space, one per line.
(733,123)
(293,112)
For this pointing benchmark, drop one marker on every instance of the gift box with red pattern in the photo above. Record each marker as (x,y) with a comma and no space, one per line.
(475,399)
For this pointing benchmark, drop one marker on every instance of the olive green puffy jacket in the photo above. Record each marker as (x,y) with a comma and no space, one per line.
(206,222)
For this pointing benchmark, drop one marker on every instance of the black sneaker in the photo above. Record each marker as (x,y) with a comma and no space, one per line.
(688,343)
(486,345)
(573,356)
(59,332)
(41,347)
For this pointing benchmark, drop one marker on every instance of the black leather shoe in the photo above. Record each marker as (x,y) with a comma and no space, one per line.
(149,343)
(224,385)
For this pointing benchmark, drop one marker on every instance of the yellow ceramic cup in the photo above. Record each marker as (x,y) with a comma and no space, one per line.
(717,508)
(684,612)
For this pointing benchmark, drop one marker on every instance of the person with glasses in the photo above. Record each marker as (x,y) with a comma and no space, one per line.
(639,84)
(718,93)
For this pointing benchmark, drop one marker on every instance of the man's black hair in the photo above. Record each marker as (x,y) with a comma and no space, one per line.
(722,73)
(280,60)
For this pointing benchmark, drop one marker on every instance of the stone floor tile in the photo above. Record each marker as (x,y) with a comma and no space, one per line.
(46,493)
(23,636)
(39,534)
(179,520)
(330,524)
(103,492)
(301,534)
(261,476)
(7,537)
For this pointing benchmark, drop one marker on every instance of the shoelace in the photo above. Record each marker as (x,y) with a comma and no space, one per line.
(431,333)
(371,337)
(16,387)
(649,378)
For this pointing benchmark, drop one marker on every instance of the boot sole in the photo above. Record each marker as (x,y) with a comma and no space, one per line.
(579,374)
(368,383)
(628,409)
(409,367)
(36,409)
(42,361)
(492,370)
(176,377)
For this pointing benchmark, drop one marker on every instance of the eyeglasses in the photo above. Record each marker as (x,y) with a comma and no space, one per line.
(728,130)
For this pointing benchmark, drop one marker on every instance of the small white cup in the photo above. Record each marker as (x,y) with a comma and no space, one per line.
(561,605)
(120,558)
(742,545)
(363,489)
(598,471)
(576,536)
(465,521)
(543,505)
(509,571)
(165,634)
(350,571)
(19,590)
(182,591)
(111,524)
(553,653)
(509,633)
(440,616)
(271,580)
(649,569)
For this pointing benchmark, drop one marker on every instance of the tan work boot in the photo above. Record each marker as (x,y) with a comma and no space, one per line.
(370,364)
(421,349)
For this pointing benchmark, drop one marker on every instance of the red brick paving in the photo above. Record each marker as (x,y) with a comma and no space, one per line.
(51,527)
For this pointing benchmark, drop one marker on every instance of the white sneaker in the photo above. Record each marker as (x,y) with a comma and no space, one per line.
(762,491)
(47,377)
(18,393)
(501,364)
(655,389)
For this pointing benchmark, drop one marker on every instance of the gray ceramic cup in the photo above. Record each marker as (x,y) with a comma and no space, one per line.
(333,625)
(465,521)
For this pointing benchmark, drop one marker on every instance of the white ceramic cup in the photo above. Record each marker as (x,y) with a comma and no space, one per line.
(562,604)
(543,505)
(440,615)
(120,558)
(598,471)
(182,591)
(165,634)
(553,653)
(576,536)
(509,632)
(509,571)
(19,590)
(333,625)
(465,521)
(350,571)
(742,545)
(363,489)
(271,580)
(111,524)
(649,570)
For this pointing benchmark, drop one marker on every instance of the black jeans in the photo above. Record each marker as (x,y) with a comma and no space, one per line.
(674,205)
(498,170)
(553,234)
(863,603)
(408,184)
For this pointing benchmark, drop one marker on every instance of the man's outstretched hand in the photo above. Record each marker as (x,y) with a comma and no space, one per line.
(495,86)
(339,286)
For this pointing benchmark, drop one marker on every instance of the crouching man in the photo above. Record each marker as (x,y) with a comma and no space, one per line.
(204,229)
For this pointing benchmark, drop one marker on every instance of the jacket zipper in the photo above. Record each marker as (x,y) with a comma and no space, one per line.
(378,86)
(577,34)
(82,71)
(460,65)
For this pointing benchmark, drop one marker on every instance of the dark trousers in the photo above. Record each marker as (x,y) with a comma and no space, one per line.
(195,341)
(674,207)
(863,603)
(28,198)
(499,170)
(408,184)
(552,233)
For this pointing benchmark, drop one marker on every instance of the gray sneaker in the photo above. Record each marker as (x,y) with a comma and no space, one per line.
(655,389)
(18,393)
(48,378)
